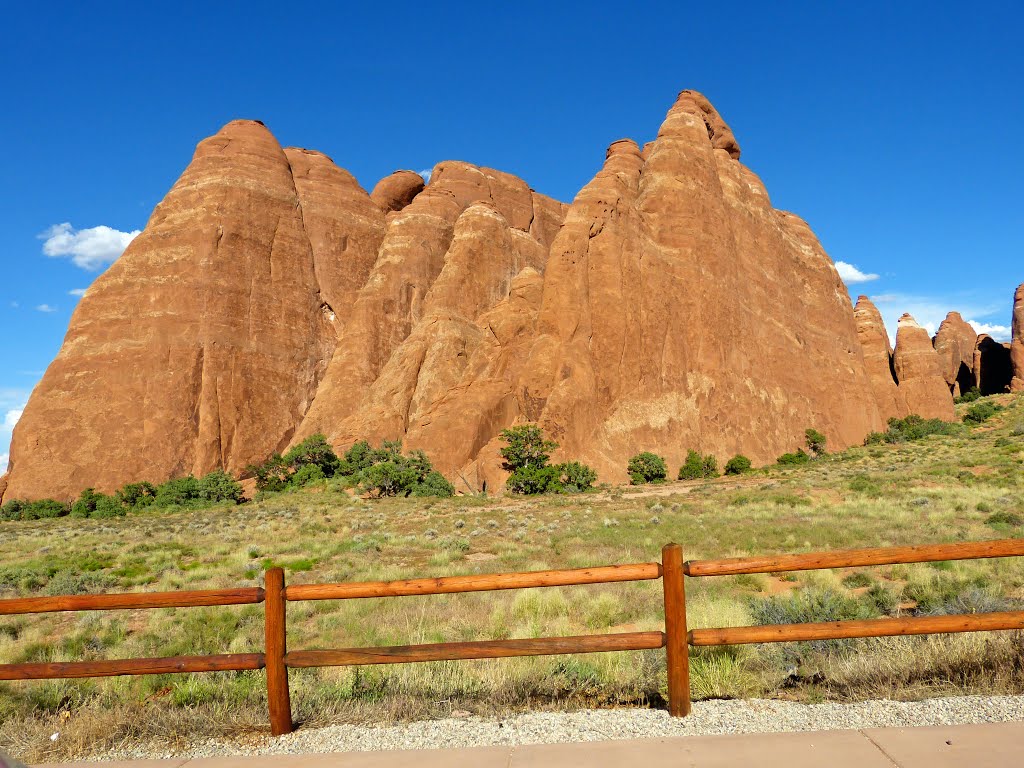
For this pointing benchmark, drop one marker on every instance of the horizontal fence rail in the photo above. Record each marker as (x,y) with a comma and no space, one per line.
(676,638)
(203,597)
(489,582)
(480,649)
(831,630)
(853,558)
(229,662)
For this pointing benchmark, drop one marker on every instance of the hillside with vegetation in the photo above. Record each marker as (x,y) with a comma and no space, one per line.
(380,514)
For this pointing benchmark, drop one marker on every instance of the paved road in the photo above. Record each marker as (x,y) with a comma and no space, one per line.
(998,745)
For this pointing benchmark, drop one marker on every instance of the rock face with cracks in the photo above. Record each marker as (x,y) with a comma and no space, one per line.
(955,343)
(919,372)
(874,341)
(669,307)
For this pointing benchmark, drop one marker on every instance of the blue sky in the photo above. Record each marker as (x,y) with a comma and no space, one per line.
(893,128)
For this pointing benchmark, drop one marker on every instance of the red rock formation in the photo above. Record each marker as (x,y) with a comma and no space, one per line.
(393,301)
(396,191)
(993,367)
(1017,341)
(669,307)
(642,342)
(874,341)
(955,344)
(919,372)
(202,346)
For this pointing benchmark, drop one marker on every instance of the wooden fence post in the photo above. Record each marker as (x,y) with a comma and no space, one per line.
(676,648)
(278,699)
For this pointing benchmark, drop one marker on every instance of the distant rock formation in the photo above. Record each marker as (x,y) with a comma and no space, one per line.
(955,343)
(1017,341)
(874,341)
(919,372)
(669,307)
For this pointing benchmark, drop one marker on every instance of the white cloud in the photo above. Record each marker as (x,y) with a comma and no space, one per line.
(6,426)
(929,311)
(92,248)
(45,308)
(997,332)
(77,292)
(426,175)
(11,418)
(850,274)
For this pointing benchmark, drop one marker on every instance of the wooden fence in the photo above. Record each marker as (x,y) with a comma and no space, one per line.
(676,637)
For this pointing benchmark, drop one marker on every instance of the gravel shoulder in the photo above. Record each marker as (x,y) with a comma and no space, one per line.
(708,718)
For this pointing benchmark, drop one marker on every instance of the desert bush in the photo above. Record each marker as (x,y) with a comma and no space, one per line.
(816,442)
(314,451)
(392,474)
(525,447)
(812,604)
(136,495)
(277,472)
(218,487)
(864,484)
(980,412)
(526,455)
(737,465)
(178,491)
(646,467)
(532,480)
(434,484)
(574,477)
(310,473)
(697,466)
(912,427)
(969,396)
(97,505)
(19,509)
(799,457)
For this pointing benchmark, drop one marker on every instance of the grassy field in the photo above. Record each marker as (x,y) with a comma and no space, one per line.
(939,489)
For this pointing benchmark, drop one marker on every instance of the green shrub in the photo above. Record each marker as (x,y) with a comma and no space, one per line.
(526,455)
(179,491)
(574,477)
(864,484)
(85,505)
(647,467)
(19,509)
(275,474)
(136,495)
(737,465)
(525,447)
(788,459)
(357,458)
(969,396)
(816,442)
(532,480)
(388,478)
(218,487)
(392,474)
(310,473)
(980,412)
(697,466)
(912,427)
(1003,518)
(272,475)
(314,451)
(434,484)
